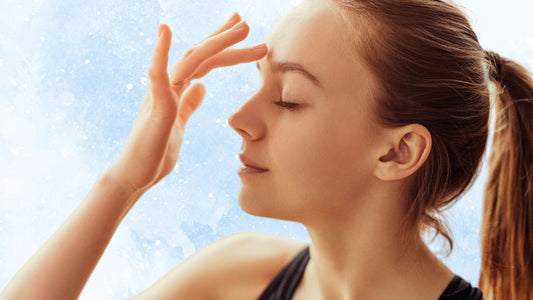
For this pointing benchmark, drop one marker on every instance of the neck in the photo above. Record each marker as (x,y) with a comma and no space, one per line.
(362,254)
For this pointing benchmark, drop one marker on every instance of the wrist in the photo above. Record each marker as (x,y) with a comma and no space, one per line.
(111,179)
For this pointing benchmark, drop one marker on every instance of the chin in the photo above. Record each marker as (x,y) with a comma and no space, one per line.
(266,205)
(253,204)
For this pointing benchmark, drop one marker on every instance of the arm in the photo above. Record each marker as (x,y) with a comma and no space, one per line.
(61,267)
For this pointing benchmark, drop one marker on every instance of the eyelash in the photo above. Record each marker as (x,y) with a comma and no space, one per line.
(287,105)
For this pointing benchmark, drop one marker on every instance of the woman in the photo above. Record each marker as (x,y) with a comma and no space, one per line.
(371,117)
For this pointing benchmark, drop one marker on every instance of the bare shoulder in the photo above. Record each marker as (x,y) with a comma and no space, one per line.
(238,266)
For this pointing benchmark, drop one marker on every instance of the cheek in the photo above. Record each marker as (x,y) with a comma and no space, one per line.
(319,157)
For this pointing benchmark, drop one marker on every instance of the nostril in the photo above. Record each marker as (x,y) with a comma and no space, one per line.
(243,133)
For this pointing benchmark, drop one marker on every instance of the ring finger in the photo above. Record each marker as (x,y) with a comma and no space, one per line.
(194,57)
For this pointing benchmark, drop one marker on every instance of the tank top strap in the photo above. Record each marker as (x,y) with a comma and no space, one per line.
(283,286)
(287,280)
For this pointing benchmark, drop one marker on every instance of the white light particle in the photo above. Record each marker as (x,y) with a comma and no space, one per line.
(87,61)
(210,195)
(26,19)
(143,81)
(158,242)
(90,33)
(217,121)
(187,142)
(129,86)
(141,33)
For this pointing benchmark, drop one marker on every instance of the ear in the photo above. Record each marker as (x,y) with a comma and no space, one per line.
(405,150)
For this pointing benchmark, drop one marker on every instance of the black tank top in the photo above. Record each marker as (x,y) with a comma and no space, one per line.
(285,283)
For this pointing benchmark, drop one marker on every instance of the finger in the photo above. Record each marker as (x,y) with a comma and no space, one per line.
(190,101)
(159,81)
(193,58)
(230,57)
(232,20)
(158,68)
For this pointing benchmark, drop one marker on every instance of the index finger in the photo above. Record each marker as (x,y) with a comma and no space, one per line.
(187,66)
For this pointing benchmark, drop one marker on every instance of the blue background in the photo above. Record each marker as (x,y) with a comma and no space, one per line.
(72,77)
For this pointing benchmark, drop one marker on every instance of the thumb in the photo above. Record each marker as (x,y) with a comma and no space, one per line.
(189,102)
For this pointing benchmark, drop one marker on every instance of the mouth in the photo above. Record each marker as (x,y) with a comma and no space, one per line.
(250,167)
(246,169)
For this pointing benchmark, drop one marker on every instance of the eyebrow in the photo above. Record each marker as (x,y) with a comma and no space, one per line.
(287,66)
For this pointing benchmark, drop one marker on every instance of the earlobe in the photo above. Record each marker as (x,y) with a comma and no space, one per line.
(405,151)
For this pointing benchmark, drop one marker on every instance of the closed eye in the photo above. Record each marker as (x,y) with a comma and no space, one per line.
(287,105)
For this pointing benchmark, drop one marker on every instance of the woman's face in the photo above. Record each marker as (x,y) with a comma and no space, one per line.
(317,152)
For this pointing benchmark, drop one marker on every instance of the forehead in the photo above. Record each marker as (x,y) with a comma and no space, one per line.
(314,35)
(308,34)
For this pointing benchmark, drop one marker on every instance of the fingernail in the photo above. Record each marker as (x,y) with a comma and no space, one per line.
(233,17)
(239,26)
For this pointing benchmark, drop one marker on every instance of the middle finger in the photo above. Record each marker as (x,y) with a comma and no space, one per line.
(234,19)
(193,58)
(230,57)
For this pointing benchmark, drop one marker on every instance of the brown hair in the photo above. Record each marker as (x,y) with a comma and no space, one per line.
(507,232)
(432,71)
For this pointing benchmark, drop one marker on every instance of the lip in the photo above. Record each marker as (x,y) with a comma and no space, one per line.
(249,166)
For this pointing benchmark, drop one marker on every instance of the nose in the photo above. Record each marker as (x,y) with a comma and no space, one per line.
(248,121)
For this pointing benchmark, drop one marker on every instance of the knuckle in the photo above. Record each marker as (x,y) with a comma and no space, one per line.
(155,74)
(196,59)
(190,52)
(195,54)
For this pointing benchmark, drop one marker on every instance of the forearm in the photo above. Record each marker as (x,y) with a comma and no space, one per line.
(63,264)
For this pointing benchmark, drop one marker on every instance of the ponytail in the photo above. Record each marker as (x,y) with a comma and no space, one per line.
(507,226)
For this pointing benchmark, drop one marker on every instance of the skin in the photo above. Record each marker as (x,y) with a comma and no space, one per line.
(329,165)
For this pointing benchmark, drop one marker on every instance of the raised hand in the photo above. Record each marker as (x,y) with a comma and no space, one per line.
(152,148)
(62,265)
